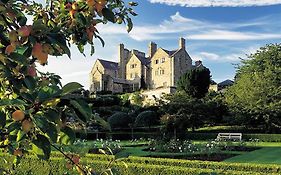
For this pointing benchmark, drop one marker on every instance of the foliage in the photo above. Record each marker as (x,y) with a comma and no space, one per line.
(255,94)
(183,112)
(34,106)
(182,146)
(263,137)
(147,118)
(195,82)
(136,99)
(144,165)
(217,108)
(119,120)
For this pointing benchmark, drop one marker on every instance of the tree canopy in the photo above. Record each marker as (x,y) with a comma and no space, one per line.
(195,82)
(34,106)
(256,92)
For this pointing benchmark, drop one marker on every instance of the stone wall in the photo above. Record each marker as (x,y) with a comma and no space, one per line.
(161,70)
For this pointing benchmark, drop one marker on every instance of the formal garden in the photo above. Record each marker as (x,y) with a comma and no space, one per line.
(50,128)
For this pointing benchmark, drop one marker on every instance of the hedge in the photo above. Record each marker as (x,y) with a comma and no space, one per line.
(246,137)
(57,167)
(264,168)
(263,137)
(141,165)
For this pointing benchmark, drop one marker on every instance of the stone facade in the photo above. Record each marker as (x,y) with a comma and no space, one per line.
(160,69)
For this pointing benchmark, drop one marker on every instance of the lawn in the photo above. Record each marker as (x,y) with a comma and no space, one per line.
(267,155)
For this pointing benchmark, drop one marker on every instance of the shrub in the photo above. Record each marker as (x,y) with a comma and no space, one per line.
(147,118)
(246,137)
(119,120)
(263,137)
(139,166)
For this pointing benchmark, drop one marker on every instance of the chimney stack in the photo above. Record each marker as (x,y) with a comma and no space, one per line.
(152,48)
(182,43)
(122,61)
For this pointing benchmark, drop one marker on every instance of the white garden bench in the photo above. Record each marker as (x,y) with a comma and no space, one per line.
(229,136)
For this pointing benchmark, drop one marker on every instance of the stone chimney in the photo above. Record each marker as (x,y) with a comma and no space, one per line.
(122,61)
(152,48)
(182,43)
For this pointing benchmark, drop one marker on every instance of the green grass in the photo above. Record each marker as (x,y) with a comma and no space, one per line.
(135,151)
(256,144)
(269,155)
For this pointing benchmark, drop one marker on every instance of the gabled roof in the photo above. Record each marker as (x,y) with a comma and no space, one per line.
(109,64)
(171,52)
(144,60)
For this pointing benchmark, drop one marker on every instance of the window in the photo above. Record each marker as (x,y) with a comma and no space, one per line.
(156,72)
(133,66)
(136,75)
(162,72)
(131,75)
(162,60)
(156,61)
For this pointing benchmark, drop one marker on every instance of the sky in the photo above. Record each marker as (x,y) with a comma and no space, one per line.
(218,32)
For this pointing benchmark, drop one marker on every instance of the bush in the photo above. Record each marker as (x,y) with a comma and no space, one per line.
(119,120)
(138,166)
(246,137)
(263,137)
(147,119)
(201,136)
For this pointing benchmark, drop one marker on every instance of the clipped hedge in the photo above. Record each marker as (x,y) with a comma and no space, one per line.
(57,167)
(201,136)
(150,169)
(246,137)
(138,166)
(263,168)
(263,137)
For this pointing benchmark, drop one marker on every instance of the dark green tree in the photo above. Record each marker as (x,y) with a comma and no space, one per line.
(119,120)
(195,82)
(147,119)
(256,93)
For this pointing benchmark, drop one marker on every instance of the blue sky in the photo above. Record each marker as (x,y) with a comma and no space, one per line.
(218,32)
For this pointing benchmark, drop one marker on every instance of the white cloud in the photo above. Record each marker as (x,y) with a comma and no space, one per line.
(233,36)
(211,56)
(219,57)
(197,30)
(218,3)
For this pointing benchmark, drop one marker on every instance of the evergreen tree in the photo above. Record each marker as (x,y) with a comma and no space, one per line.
(195,82)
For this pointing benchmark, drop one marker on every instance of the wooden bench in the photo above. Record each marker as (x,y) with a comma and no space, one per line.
(229,136)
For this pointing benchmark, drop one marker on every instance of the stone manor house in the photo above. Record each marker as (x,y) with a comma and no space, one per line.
(159,70)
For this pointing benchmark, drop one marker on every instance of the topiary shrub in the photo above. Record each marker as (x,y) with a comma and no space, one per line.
(119,120)
(147,119)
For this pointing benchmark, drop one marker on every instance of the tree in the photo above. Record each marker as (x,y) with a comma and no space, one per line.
(147,119)
(119,120)
(184,112)
(256,91)
(195,82)
(34,106)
